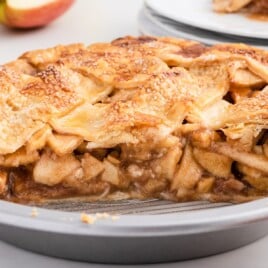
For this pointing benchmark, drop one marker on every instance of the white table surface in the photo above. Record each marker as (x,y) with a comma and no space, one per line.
(94,21)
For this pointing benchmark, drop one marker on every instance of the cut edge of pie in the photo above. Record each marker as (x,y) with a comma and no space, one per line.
(140,117)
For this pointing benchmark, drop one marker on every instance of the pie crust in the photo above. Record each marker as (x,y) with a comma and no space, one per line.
(141,117)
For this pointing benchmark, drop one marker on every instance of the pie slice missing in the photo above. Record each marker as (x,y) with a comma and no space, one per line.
(135,118)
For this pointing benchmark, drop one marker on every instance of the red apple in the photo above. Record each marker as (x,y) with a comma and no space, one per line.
(31,13)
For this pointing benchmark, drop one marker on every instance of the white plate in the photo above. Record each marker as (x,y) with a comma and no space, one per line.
(199,13)
(152,24)
(149,24)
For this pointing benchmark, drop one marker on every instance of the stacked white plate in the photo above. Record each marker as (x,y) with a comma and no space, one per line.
(195,19)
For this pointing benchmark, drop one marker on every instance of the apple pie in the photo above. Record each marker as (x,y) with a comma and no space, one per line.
(141,117)
(259,7)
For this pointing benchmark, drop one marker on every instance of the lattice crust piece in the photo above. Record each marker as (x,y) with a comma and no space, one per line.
(135,118)
(247,6)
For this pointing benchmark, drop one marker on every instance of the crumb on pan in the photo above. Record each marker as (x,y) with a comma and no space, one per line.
(88,219)
(34,212)
(91,219)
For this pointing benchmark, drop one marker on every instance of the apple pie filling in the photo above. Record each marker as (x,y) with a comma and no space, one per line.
(136,118)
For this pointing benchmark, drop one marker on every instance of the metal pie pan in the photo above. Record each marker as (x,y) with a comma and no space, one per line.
(134,238)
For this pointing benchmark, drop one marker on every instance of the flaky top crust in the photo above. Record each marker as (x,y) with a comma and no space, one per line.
(132,90)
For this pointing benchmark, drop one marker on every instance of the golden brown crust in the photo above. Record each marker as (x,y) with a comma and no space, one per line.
(146,111)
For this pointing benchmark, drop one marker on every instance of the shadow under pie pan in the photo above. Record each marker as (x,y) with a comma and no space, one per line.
(146,231)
